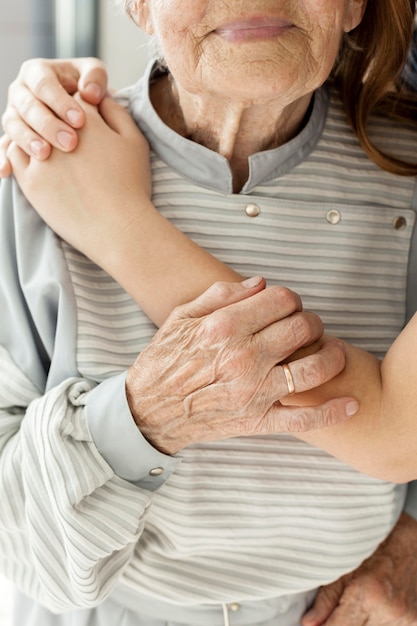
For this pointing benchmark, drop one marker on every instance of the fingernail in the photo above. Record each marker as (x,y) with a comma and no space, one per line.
(64,138)
(251,282)
(94,90)
(36,147)
(73,116)
(352,407)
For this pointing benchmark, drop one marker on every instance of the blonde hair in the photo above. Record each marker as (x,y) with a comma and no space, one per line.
(368,73)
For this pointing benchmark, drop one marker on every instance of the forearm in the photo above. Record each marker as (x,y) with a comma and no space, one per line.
(169,268)
(381,439)
(111,219)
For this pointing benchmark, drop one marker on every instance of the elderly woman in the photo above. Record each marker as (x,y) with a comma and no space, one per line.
(257,163)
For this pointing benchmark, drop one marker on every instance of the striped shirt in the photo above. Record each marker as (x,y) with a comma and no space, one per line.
(231,521)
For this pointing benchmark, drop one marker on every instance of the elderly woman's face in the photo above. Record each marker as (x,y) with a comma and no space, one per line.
(250,49)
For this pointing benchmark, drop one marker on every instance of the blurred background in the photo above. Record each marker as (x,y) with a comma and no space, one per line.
(64,28)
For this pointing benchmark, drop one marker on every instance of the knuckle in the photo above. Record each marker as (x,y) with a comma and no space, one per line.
(30,64)
(40,84)
(329,416)
(287,299)
(301,329)
(221,289)
(312,419)
(218,326)
(300,422)
(312,375)
(26,107)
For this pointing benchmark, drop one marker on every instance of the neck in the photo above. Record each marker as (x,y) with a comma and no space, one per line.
(236,130)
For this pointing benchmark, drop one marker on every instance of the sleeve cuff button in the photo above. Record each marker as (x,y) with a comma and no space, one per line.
(156,471)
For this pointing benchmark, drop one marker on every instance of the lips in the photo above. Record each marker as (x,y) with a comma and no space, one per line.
(253,28)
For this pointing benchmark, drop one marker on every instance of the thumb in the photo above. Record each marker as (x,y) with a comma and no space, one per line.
(119,119)
(325,603)
(219,295)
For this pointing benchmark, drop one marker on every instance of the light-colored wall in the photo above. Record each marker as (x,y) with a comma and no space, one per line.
(122,45)
(19,40)
(26,29)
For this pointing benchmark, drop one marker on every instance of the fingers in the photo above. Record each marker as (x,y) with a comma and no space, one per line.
(286,419)
(270,317)
(219,295)
(92,84)
(326,602)
(35,126)
(316,369)
(287,331)
(350,613)
(232,312)
(54,81)
(42,112)
(38,130)
(51,83)
(117,117)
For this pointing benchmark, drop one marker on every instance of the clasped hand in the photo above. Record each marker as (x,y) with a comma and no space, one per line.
(211,372)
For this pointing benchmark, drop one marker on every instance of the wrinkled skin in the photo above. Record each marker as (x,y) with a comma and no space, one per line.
(381,592)
(212,374)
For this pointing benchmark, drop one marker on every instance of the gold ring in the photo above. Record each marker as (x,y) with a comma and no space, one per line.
(289,379)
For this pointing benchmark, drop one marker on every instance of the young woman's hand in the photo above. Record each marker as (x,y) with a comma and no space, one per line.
(41,112)
(92,195)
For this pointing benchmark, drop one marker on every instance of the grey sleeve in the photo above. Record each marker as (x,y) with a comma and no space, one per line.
(120,441)
(39,331)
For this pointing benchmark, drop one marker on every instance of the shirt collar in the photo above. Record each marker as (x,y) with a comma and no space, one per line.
(208,168)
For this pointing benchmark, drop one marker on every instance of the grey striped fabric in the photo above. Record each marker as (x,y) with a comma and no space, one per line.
(243,519)
(253,518)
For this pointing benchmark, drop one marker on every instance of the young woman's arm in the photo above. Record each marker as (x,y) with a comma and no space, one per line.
(87,204)
(381,438)
(91,198)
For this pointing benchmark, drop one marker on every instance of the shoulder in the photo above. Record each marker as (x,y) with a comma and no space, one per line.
(394,137)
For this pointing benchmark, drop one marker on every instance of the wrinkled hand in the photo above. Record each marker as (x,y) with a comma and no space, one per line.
(41,112)
(79,194)
(211,373)
(381,592)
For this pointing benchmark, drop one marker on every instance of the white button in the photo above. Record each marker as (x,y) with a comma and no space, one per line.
(252,210)
(156,471)
(234,607)
(333,216)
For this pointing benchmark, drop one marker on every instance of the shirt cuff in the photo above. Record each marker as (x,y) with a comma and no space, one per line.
(120,441)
